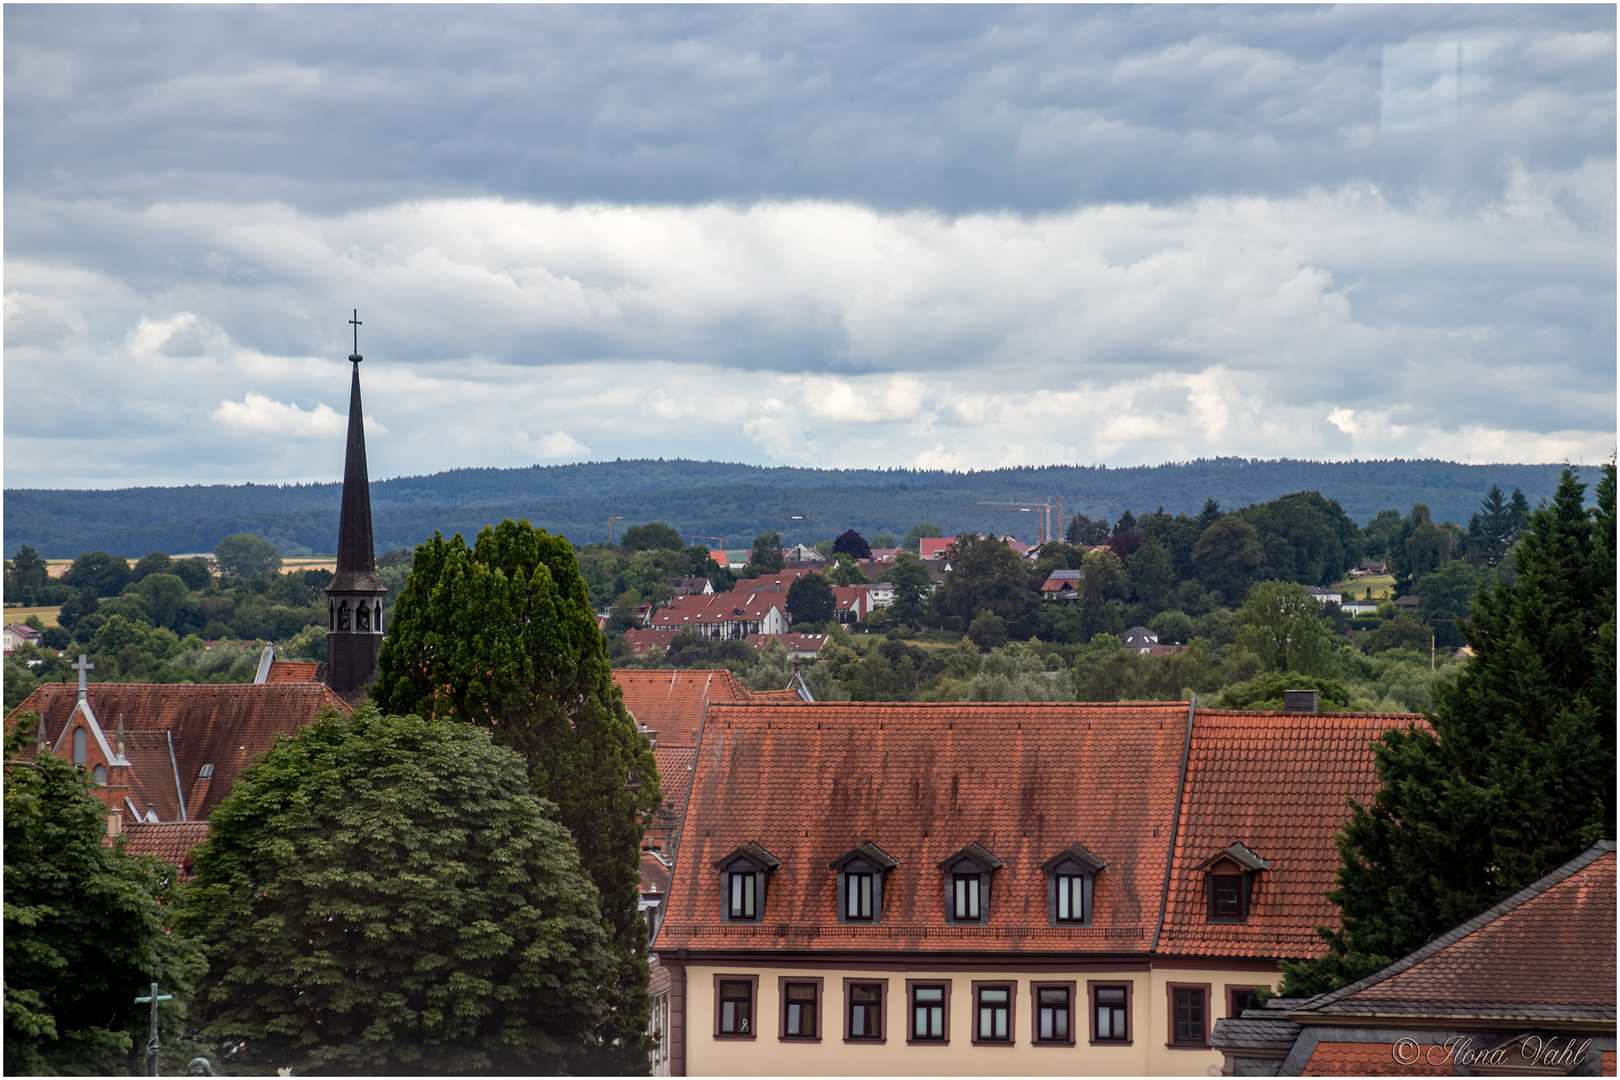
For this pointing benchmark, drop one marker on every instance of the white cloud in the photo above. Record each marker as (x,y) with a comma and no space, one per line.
(1333,324)
(258,413)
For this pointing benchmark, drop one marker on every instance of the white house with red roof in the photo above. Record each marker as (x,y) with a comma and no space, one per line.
(727,615)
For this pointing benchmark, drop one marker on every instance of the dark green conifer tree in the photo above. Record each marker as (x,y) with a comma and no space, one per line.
(1518,773)
(502,635)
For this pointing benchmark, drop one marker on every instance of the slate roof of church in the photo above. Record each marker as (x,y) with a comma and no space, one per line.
(922,781)
(671,702)
(226,725)
(1278,783)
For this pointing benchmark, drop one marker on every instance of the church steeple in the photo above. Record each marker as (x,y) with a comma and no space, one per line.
(354,597)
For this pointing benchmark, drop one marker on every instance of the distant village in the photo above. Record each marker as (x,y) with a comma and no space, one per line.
(961,805)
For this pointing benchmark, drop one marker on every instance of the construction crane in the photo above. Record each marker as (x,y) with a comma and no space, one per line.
(1043,508)
(720,541)
(611,520)
(1062,518)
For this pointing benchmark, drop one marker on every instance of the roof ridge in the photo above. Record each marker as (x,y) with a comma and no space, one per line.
(1559,874)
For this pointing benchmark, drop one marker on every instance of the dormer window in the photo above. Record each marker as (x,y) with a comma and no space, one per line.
(861,875)
(1070,883)
(744,876)
(967,884)
(1229,882)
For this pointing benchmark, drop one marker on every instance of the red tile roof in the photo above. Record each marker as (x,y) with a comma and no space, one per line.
(642,640)
(922,781)
(671,702)
(696,610)
(170,841)
(792,642)
(935,547)
(654,874)
(674,778)
(789,696)
(292,671)
(226,725)
(785,579)
(1278,784)
(1556,948)
(1375,1059)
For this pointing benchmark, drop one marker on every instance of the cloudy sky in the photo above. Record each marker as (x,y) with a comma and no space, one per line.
(838,236)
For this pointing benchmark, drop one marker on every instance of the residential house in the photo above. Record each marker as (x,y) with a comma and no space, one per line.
(1062,586)
(724,616)
(935,547)
(803,555)
(1358,607)
(996,888)
(1325,596)
(1407,604)
(17,634)
(879,594)
(798,646)
(779,582)
(1374,566)
(1526,987)
(690,586)
(851,603)
(884,555)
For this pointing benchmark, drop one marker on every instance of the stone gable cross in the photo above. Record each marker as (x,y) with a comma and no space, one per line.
(83,667)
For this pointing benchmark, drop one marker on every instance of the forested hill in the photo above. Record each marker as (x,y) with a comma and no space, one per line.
(715,499)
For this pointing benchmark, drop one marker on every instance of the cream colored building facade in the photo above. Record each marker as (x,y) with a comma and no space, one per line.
(1146,1051)
(1080,889)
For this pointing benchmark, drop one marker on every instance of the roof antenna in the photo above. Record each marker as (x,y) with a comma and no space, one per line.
(356,323)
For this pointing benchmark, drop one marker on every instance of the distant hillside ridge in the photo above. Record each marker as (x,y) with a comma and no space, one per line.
(727,500)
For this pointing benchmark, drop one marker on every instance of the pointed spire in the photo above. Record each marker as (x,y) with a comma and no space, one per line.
(356,558)
(118,740)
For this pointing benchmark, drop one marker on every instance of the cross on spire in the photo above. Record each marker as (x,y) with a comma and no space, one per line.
(83,667)
(356,323)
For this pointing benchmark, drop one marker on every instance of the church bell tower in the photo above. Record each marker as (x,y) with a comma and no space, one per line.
(354,597)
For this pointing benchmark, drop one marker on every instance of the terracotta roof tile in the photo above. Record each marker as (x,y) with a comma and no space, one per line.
(922,781)
(674,777)
(671,702)
(1278,784)
(1546,951)
(226,725)
(775,697)
(1373,1059)
(170,841)
(292,671)
(654,874)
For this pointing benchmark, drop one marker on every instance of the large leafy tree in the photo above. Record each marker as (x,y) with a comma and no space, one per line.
(767,555)
(1306,538)
(986,575)
(1282,624)
(912,583)
(86,925)
(851,543)
(105,574)
(1518,773)
(810,599)
(382,894)
(1227,558)
(501,635)
(246,555)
